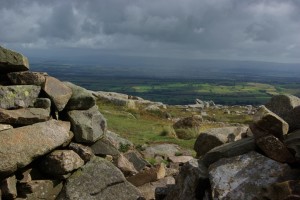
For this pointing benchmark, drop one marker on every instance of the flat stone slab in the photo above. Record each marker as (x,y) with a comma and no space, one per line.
(24,116)
(11,61)
(20,146)
(18,96)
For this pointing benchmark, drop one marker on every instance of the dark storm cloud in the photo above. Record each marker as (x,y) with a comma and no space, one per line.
(234,29)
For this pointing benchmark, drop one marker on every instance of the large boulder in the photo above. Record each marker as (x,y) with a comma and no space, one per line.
(191,182)
(27,78)
(215,137)
(11,61)
(241,177)
(58,92)
(98,179)
(88,125)
(24,116)
(18,96)
(81,98)
(19,146)
(282,105)
(60,162)
(266,122)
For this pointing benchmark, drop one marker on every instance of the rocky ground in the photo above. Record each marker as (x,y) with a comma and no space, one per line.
(55,144)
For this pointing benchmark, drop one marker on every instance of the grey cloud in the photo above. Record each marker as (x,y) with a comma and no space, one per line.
(238,29)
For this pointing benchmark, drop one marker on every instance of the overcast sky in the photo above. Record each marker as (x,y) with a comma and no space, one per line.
(267,30)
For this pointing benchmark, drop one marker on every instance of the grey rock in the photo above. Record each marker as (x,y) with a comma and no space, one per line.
(103,147)
(24,116)
(275,149)
(98,180)
(30,142)
(11,61)
(18,96)
(282,105)
(85,152)
(81,98)
(60,162)
(40,189)
(44,103)
(58,92)
(216,137)
(229,150)
(241,177)
(88,125)
(191,182)
(9,187)
(137,160)
(266,122)
(27,78)
(118,141)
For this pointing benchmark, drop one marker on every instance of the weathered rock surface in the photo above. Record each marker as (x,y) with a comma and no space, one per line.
(11,61)
(60,162)
(268,123)
(9,187)
(191,182)
(103,147)
(88,125)
(216,137)
(27,78)
(241,177)
(293,119)
(81,98)
(44,103)
(287,190)
(24,116)
(18,96)
(282,105)
(98,180)
(30,142)
(229,150)
(85,152)
(58,92)
(275,149)
(40,189)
